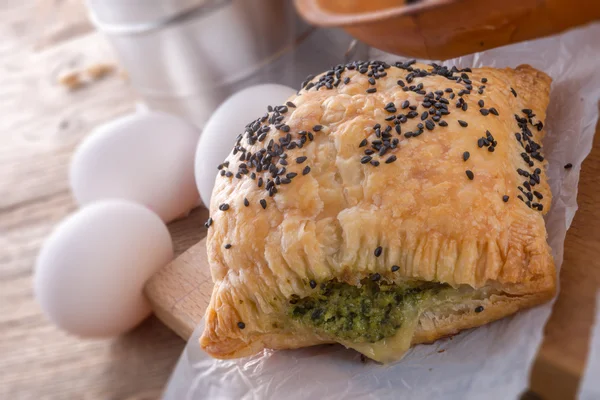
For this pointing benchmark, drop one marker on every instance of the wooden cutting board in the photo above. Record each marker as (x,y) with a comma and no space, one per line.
(181,291)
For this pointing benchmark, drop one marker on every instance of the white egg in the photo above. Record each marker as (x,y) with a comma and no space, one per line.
(225,124)
(147,157)
(91,271)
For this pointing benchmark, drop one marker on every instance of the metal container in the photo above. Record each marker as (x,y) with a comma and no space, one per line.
(187,56)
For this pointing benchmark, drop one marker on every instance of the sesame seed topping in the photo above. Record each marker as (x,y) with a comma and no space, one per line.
(228,246)
(378,251)
(505,198)
(538,194)
(317,128)
(484,111)
(246,202)
(263,204)
(470,174)
(306,170)
(462,123)
(513,92)
(390,159)
(568,166)
(443,123)
(371,90)
(483,80)
(494,111)
(290,104)
(224,207)
(208,223)
(395,268)
(241,325)
(479,309)
(466,156)
(365,159)
(312,284)
(301,159)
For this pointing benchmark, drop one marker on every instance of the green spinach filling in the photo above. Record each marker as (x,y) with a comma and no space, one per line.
(369,313)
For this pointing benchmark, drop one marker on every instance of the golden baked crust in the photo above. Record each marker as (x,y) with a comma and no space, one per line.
(420,206)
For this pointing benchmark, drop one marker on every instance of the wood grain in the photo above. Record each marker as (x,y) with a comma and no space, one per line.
(41,125)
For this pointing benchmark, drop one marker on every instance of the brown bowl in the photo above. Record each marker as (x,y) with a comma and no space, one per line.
(442,29)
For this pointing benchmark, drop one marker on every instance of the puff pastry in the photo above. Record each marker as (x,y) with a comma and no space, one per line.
(381,207)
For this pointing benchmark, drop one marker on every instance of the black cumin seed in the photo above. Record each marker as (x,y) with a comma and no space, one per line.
(375,277)
(470,174)
(505,198)
(312,284)
(494,111)
(484,111)
(241,325)
(228,246)
(378,251)
(568,166)
(224,207)
(391,159)
(371,90)
(466,156)
(246,202)
(479,309)
(306,170)
(462,123)
(513,92)
(395,268)
(317,128)
(263,203)
(443,123)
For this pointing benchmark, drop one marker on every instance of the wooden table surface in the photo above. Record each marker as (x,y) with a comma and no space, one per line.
(41,123)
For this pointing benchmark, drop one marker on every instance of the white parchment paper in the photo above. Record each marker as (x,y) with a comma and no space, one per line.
(490,362)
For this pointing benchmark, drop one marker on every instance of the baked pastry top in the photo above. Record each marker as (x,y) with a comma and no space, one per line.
(381,207)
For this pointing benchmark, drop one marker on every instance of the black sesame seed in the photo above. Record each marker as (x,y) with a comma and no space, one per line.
(494,111)
(246,202)
(505,198)
(371,90)
(470,174)
(466,156)
(229,174)
(375,163)
(484,111)
(224,207)
(228,246)
(568,166)
(443,123)
(513,92)
(301,159)
(306,170)
(346,80)
(241,325)
(208,222)
(405,104)
(378,251)
(263,204)
(479,309)
(465,106)
(491,149)
(538,194)
(312,284)
(401,83)
(372,81)
(483,80)
(395,268)
(317,128)
(290,104)
(365,159)
(424,115)
(429,125)
(462,123)
(375,277)
(391,159)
